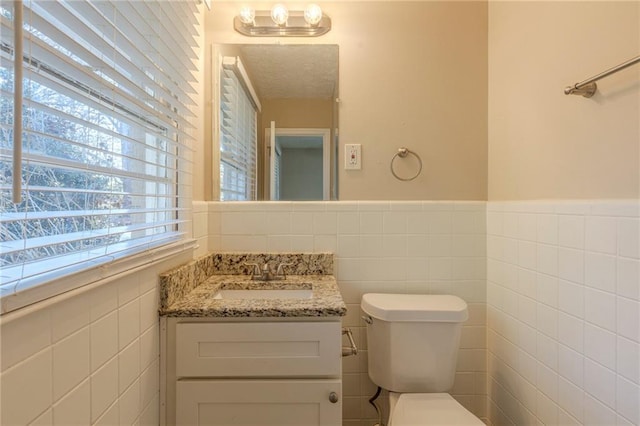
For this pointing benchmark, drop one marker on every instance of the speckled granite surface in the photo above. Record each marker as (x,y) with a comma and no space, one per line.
(188,291)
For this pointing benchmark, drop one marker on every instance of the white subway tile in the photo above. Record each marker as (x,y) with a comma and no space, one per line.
(104,340)
(600,382)
(417,245)
(325,243)
(468,245)
(527,283)
(45,419)
(439,245)
(440,222)
(128,365)
(600,271)
(417,223)
(149,384)
(547,289)
(600,308)
(547,259)
(129,404)
(301,223)
(104,388)
(571,230)
(279,223)
(546,409)
(469,222)
(571,331)
(149,347)
(527,254)
(547,381)
(547,229)
(571,365)
(547,351)
(279,243)
(325,223)
(394,245)
(571,265)
(628,318)
(547,320)
(26,389)
(599,345)
(370,222)
(128,323)
(375,206)
(527,227)
(371,246)
(69,316)
(128,289)
(469,268)
(348,223)
(571,298)
(440,268)
(494,223)
(348,246)
(405,206)
(629,238)
(628,359)
(75,407)
(394,222)
(628,277)
(571,399)
(526,310)
(628,396)
(601,234)
(70,362)
(13,345)
(301,243)
(149,303)
(596,413)
(510,225)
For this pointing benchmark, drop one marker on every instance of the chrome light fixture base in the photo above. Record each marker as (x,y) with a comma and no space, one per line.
(296,26)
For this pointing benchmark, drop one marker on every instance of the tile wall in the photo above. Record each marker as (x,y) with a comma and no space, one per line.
(89,358)
(394,247)
(563,295)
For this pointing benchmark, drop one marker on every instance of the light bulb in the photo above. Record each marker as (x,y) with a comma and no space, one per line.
(313,14)
(279,14)
(247,15)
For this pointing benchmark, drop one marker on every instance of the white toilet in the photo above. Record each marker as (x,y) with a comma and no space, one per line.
(413,345)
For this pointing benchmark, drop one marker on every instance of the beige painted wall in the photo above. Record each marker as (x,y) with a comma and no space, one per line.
(412,74)
(542,143)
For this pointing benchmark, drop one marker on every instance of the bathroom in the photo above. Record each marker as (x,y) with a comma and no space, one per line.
(526,208)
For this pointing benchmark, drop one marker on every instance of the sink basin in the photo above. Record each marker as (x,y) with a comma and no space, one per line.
(263,294)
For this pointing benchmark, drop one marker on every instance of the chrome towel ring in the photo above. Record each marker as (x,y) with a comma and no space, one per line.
(402,153)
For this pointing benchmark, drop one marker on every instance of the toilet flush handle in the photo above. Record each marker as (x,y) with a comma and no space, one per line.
(367,319)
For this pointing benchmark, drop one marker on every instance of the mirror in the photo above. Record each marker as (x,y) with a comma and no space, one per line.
(297,88)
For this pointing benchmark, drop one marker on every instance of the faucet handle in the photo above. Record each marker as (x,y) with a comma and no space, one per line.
(280,269)
(255,267)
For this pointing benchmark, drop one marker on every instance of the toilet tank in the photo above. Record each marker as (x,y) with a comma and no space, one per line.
(413,340)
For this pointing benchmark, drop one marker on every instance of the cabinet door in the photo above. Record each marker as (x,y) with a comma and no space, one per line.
(258,402)
(283,349)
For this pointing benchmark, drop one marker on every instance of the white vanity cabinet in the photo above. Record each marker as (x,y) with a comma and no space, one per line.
(249,371)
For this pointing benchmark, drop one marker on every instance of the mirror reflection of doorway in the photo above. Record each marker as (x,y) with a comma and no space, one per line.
(299,164)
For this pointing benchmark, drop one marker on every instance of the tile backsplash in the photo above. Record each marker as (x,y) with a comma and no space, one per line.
(387,247)
(563,297)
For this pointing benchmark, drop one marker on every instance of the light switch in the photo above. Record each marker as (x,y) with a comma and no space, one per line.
(352,156)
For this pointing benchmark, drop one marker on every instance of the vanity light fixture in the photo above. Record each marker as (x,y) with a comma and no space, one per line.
(280,22)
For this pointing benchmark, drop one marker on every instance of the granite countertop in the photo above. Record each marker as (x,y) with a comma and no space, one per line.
(326,300)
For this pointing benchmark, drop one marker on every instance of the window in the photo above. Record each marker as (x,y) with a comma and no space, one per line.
(238,135)
(107,98)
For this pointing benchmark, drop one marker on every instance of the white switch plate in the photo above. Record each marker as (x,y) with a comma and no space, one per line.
(352,156)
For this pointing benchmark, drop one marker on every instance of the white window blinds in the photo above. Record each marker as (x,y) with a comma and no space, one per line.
(107,107)
(238,139)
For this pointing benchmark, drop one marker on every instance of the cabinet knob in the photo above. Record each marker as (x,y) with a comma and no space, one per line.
(333,397)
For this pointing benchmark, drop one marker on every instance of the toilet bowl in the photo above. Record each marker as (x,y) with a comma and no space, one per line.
(428,409)
(413,345)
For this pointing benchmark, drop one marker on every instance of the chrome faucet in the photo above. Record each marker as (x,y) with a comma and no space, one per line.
(266,273)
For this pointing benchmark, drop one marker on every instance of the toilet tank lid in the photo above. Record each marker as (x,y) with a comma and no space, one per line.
(415,307)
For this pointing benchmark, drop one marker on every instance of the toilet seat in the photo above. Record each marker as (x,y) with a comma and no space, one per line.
(429,409)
